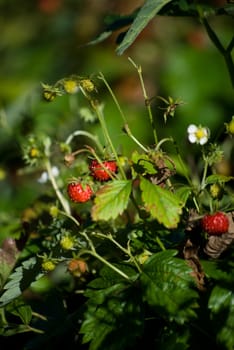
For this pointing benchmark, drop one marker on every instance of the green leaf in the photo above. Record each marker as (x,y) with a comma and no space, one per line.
(114,318)
(146,13)
(183,193)
(218,178)
(19,280)
(221,304)
(142,164)
(20,309)
(169,286)
(111,200)
(163,205)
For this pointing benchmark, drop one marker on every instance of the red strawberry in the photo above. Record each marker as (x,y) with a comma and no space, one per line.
(79,193)
(98,169)
(215,224)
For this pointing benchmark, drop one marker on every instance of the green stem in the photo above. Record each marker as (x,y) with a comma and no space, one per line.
(59,194)
(226,53)
(107,137)
(160,243)
(129,133)
(126,251)
(87,134)
(203,181)
(93,250)
(101,76)
(147,100)
(107,263)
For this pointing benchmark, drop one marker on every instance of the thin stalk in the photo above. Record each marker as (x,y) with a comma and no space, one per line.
(147,100)
(126,251)
(160,243)
(203,181)
(108,138)
(93,251)
(107,263)
(59,194)
(87,134)
(129,133)
(126,126)
(226,53)
(101,76)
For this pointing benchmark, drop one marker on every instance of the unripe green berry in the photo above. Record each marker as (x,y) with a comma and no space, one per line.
(216,191)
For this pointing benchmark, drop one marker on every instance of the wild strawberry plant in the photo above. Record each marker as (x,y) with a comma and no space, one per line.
(122,251)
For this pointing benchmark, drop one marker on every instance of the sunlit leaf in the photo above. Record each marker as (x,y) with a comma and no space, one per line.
(218,178)
(146,13)
(163,205)
(111,200)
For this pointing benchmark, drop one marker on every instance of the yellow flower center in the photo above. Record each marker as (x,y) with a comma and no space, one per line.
(200,133)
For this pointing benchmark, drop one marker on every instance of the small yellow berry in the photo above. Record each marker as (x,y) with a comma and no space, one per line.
(48,265)
(49,96)
(67,243)
(87,85)
(216,191)
(54,211)
(70,86)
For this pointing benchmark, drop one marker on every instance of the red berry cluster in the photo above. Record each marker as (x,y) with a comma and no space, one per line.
(215,224)
(102,171)
(81,193)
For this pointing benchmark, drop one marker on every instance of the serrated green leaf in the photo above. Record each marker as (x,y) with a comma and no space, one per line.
(163,205)
(144,16)
(218,178)
(20,309)
(111,200)
(221,304)
(114,318)
(19,280)
(169,286)
(219,299)
(142,164)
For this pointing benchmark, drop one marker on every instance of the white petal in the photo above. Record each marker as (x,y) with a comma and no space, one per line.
(203,140)
(43,178)
(192,128)
(55,171)
(192,138)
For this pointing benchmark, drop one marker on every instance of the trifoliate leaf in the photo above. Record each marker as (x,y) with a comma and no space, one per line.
(162,204)
(111,200)
(168,286)
(113,319)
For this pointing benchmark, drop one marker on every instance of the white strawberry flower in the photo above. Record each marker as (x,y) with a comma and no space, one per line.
(45,177)
(198,134)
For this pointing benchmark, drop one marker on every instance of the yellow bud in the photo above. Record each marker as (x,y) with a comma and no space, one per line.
(48,265)
(49,95)
(34,152)
(67,243)
(70,86)
(87,85)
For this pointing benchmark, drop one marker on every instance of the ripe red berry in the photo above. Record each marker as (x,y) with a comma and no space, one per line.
(98,169)
(79,193)
(215,224)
